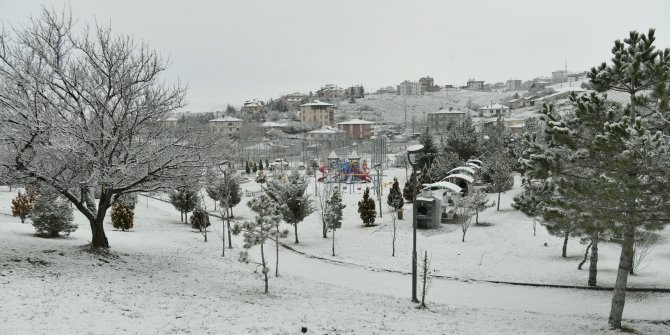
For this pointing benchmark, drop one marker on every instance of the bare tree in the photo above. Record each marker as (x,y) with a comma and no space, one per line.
(425,279)
(79,111)
(393,213)
(464,212)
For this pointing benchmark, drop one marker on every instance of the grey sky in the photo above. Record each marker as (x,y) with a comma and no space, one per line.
(231,51)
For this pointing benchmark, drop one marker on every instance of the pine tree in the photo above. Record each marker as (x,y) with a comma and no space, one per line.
(247,170)
(429,148)
(334,214)
(184,200)
(463,140)
(267,164)
(618,154)
(52,215)
(254,168)
(411,188)
(122,216)
(265,225)
(290,193)
(395,199)
(480,202)
(22,205)
(425,177)
(498,171)
(260,164)
(200,219)
(367,209)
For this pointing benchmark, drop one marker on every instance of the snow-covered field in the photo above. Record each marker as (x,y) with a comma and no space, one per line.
(162,278)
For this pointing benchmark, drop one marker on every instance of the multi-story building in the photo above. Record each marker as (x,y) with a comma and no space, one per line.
(514,85)
(427,84)
(409,88)
(330,91)
(254,109)
(325,133)
(317,113)
(357,129)
(294,100)
(228,125)
(439,121)
(559,76)
(475,85)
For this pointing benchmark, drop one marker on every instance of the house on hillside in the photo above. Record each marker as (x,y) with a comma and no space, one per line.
(326,133)
(493,110)
(357,129)
(294,100)
(513,85)
(563,93)
(428,84)
(513,125)
(409,88)
(230,126)
(330,91)
(168,122)
(254,109)
(317,113)
(475,85)
(517,103)
(439,121)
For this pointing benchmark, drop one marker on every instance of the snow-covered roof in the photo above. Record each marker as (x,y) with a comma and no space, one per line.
(259,146)
(462,168)
(465,177)
(226,119)
(354,155)
(447,112)
(444,185)
(317,103)
(357,121)
(333,155)
(169,119)
(326,130)
(270,124)
(415,147)
(506,120)
(476,161)
(495,106)
(473,165)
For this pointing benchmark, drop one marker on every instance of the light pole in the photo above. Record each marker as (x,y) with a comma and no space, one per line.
(223,224)
(414,153)
(379,194)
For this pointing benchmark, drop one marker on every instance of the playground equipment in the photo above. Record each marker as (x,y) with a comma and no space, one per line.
(349,171)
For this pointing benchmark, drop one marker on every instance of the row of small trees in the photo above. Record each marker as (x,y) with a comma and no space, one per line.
(250,167)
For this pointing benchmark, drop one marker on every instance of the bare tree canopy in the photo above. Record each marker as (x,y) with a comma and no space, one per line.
(80,108)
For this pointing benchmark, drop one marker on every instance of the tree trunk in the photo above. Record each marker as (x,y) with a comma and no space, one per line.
(632,261)
(476,217)
(295,228)
(593,265)
(463,239)
(265,271)
(425,279)
(277,251)
(324,228)
(498,201)
(400,214)
(586,256)
(625,263)
(181,216)
(565,245)
(333,242)
(223,237)
(99,239)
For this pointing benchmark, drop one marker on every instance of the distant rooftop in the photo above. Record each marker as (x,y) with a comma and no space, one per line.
(226,119)
(357,121)
(317,103)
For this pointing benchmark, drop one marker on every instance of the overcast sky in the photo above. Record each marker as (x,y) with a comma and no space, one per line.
(231,51)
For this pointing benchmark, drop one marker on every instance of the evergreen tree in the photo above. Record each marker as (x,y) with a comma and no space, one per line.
(289,192)
(412,187)
(52,215)
(463,140)
(445,161)
(395,199)
(22,205)
(334,214)
(254,168)
(122,216)
(367,209)
(480,201)
(498,171)
(260,164)
(200,219)
(429,148)
(425,177)
(184,199)
(619,155)
(267,164)
(246,167)
(265,225)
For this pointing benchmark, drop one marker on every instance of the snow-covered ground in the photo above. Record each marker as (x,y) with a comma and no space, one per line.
(162,278)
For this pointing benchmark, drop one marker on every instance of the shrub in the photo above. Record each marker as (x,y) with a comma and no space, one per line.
(22,205)
(200,219)
(52,215)
(122,216)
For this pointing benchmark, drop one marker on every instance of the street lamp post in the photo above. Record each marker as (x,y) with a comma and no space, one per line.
(414,153)
(379,194)
(223,224)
